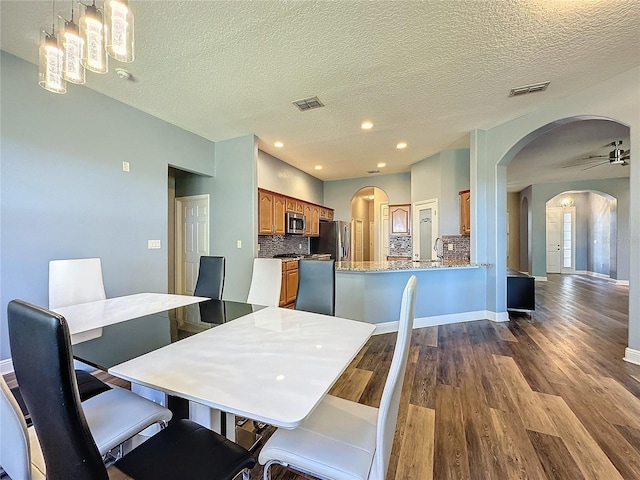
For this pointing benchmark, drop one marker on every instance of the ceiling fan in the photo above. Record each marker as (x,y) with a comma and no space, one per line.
(617,156)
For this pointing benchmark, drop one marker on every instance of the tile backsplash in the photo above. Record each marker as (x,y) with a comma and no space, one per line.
(461,248)
(400,246)
(271,245)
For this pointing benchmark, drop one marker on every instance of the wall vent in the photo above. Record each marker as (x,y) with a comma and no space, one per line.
(308,103)
(538,87)
(373,171)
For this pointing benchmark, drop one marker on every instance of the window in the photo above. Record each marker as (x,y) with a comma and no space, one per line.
(567,240)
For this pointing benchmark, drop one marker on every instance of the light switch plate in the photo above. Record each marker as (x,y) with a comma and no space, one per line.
(239,244)
(450,246)
(125,166)
(153,244)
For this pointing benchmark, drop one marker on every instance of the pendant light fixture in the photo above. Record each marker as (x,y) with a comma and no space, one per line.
(50,62)
(92,31)
(72,44)
(119,27)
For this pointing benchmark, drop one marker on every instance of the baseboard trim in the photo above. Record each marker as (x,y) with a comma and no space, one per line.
(632,356)
(6,366)
(540,279)
(420,322)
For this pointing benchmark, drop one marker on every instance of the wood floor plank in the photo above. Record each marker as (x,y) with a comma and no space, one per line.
(518,456)
(589,457)
(449,436)
(351,384)
(554,457)
(416,452)
(527,405)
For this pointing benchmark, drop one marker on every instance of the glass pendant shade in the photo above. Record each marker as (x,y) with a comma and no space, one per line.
(51,64)
(72,44)
(119,25)
(92,31)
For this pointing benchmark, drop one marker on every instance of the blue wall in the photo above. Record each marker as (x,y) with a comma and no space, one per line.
(63,192)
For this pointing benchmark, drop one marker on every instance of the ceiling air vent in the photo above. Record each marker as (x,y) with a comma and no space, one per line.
(373,171)
(538,87)
(308,103)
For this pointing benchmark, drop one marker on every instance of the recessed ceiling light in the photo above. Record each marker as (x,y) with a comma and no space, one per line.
(366,125)
(381,164)
(278,144)
(401,145)
(318,167)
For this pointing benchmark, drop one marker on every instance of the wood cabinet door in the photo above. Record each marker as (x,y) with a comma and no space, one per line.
(283,288)
(292,283)
(315,218)
(290,205)
(265,213)
(400,216)
(300,207)
(308,217)
(465,212)
(278,215)
(329,214)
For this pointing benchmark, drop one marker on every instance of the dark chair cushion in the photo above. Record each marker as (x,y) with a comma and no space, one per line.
(171,454)
(210,281)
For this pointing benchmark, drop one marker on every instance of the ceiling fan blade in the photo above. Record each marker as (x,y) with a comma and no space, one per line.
(580,164)
(596,165)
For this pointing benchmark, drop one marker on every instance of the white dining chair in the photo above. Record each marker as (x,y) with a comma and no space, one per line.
(266,282)
(344,440)
(75,281)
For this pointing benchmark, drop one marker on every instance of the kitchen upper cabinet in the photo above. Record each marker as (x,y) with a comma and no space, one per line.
(400,219)
(291,205)
(326,213)
(315,220)
(271,210)
(307,216)
(465,212)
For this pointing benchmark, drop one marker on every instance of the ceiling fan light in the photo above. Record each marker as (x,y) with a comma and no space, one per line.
(119,30)
(92,32)
(50,64)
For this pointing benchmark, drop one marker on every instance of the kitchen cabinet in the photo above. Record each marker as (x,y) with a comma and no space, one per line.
(400,219)
(326,213)
(465,212)
(307,216)
(291,205)
(289,287)
(315,220)
(271,209)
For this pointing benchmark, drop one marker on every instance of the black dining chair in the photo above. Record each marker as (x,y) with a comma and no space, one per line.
(210,281)
(316,286)
(41,353)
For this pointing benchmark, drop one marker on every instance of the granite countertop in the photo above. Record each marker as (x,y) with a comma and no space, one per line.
(396,265)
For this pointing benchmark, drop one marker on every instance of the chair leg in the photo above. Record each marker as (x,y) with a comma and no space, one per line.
(246,474)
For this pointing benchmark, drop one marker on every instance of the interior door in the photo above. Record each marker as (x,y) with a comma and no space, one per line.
(384,231)
(425,228)
(554,239)
(192,240)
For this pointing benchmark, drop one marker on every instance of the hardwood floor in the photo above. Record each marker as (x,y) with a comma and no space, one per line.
(545,397)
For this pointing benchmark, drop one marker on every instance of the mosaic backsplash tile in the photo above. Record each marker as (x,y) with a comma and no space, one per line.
(271,245)
(461,247)
(400,246)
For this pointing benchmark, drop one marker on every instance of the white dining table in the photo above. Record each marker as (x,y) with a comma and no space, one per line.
(273,365)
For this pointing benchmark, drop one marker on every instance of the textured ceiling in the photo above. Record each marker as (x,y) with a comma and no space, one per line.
(424,72)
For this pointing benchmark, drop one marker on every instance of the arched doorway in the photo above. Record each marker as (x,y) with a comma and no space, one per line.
(369,224)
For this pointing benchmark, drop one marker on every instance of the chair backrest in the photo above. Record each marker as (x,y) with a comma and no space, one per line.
(14,441)
(75,281)
(316,286)
(41,353)
(390,403)
(266,282)
(210,278)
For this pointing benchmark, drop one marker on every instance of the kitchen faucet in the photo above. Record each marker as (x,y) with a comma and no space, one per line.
(438,248)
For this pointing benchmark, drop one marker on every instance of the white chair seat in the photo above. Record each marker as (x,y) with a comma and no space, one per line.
(337,441)
(38,467)
(133,414)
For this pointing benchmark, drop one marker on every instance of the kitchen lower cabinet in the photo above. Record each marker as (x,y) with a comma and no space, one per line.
(289,287)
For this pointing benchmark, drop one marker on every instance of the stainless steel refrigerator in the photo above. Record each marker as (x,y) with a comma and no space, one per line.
(334,239)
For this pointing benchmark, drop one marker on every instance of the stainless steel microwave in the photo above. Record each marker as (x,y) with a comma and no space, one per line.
(295,223)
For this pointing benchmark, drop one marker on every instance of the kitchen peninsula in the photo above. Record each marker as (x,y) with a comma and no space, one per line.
(447,292)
